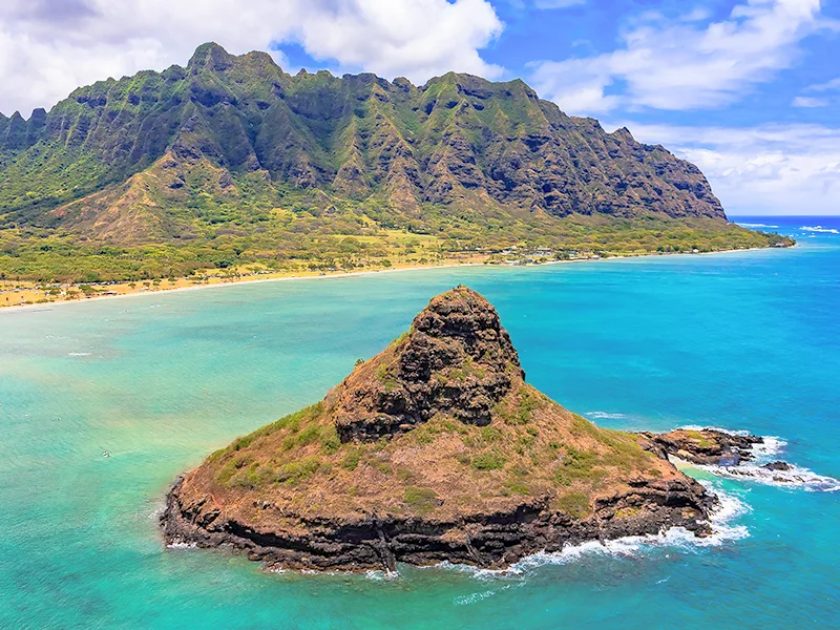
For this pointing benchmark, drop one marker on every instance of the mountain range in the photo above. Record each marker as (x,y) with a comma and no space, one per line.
(233,154)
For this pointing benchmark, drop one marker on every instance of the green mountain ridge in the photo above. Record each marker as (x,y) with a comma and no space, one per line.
(231,154)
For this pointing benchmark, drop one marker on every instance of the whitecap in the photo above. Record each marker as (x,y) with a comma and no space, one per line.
(756,225)
(78,354)
(605,415)
(797,476)
(819,229)
(697,427)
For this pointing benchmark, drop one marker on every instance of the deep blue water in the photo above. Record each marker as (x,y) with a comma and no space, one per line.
(743,341)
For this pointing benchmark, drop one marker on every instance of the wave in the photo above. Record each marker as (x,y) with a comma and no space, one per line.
(78,354)
(723,531)
(771,445)
(605,415)
(473,598)
(379,575)
(181,545)
(764,453)
(756,225)
(820,229)
(699,427)
(795,476)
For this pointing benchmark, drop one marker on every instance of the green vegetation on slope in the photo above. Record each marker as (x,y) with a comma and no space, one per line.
(231,163)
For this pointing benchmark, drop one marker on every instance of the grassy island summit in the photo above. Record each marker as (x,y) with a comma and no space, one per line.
(434,450)
(230,167)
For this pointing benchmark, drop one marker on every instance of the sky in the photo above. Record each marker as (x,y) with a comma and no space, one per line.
(749,90)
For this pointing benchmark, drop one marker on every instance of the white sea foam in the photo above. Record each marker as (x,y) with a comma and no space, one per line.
(605,415)
(78,354)
(771,446)
(378,575)
(723,531)
(181,545)
(698,427)
(764,453)
(756,225)
(797,476)
(820,229)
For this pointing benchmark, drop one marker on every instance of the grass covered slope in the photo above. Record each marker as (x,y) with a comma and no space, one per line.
(436,449)
(231,163)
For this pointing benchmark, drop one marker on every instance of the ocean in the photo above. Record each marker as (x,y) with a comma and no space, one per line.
(744,341)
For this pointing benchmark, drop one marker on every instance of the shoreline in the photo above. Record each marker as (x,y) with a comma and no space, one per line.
(226,282)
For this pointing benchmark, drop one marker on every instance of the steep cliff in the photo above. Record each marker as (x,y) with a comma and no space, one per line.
(458,141)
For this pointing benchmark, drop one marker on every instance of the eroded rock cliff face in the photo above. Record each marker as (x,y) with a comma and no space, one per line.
(434,450)
(456,360)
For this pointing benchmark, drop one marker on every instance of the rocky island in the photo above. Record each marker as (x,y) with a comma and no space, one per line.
(434,450)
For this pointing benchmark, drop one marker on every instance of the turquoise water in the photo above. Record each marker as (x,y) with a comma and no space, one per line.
(743,341)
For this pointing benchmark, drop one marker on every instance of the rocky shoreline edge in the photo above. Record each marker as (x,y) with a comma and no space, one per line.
(493,540)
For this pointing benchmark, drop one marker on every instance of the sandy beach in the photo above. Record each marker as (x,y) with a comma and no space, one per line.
(33,297)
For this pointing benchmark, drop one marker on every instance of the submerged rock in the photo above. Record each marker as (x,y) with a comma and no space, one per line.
(434,450)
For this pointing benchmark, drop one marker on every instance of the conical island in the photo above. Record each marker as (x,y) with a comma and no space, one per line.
(434,450)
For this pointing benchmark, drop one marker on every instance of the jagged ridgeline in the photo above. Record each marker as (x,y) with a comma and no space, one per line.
(234,154)
(434,450)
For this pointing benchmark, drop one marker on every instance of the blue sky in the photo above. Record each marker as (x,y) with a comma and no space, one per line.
(747,89)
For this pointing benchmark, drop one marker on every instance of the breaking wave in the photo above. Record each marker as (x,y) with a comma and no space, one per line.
(819,229)
(729,508)
(181,545)
(605,415)
(756,225)
(699,427)
(764,453)
(795,476)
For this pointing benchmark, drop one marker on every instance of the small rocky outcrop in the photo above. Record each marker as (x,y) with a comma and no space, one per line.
(702,446)
(434,450)
(777,465)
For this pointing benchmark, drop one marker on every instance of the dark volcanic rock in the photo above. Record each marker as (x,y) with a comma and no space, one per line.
(702,446)
(778,465)
(494,539)
(456,360)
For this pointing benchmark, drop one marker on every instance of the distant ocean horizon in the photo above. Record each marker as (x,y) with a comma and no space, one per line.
(743,341)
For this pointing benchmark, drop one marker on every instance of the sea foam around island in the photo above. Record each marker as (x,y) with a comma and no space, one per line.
(764,453)
(724,530)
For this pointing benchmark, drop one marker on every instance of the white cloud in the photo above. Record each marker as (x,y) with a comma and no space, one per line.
(828,86)
(557,4)
(49,48)
(683,64)
(769,169)
(810,102)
